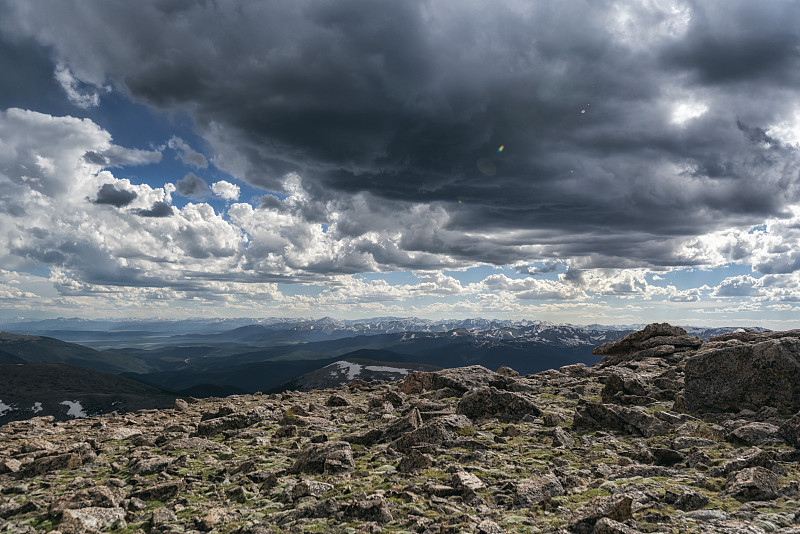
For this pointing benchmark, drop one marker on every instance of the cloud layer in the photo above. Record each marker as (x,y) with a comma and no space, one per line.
(637,137)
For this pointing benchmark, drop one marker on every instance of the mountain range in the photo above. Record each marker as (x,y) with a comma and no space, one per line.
(204,358)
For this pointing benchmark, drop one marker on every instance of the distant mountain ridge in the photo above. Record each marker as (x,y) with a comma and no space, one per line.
(293,354)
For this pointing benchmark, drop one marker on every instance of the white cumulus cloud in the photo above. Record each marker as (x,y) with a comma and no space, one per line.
(226,190)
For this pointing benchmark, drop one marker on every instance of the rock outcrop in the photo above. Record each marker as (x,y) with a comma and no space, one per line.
(729,373)
(662,436)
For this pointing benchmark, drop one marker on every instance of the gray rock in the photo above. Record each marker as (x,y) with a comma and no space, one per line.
(159,492)
(466,482)
(218,517)
(753,484)
(92,519)
(311,488)
(584,518)
(708,515)
(414,460)
(48,464)
(459,379)
(685,498)
(561,438)
(486,402)
(437,430)
(336,401)
(534,490)
(330,457)
(95,497)
(212,427)
(634,340)
(373,508)
(163,515)
(745,376)
(595,415)
(756,433)
(607,525)
(790,431)
(149,466)
(487,526)
(181,405)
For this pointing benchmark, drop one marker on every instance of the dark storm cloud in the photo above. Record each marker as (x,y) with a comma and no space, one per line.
(108,194)
(409,101)
(159,209)
(192,185)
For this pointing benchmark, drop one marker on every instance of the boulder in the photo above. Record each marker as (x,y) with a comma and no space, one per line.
(436,431)
(160,492)
(92,519)
(790,430)
(330,457)
(487,402)
(460,379)
(373,508)
(150,466)
(218,517)
(213,426)
(534,490)
(606,525)
(413,461)
(756,433)
(596,415)
(95,497)
(48,464)
(634,340)
(753,484)
(741,376)
(584,518)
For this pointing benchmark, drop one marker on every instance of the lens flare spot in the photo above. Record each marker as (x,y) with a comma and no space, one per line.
(486,166)
(501,148)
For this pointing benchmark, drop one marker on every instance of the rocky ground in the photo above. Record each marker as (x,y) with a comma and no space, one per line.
(666,434)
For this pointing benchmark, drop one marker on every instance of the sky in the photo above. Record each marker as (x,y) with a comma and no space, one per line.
(612,162)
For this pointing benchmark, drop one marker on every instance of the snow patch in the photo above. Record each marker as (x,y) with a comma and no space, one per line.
(384,369)
(352,369)
(75,408)
(5,408)
(37,407)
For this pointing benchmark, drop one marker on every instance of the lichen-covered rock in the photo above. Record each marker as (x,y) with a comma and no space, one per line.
(218,517)
(596,415)
(159,492)
(460,379)
(790,430)
(753,484)
(534,490)
(584,518)
(607,525)
(373,508)
(330,457)
(96,497)
(92,519)
(742,376)
(634,340)
(437,430)
(414,460)
(756,433)
(49,464)
(150,466)
(685,498)
(485,402)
